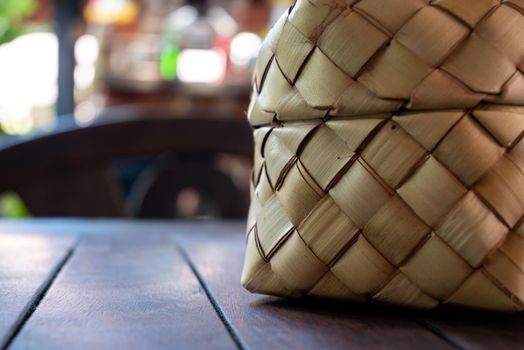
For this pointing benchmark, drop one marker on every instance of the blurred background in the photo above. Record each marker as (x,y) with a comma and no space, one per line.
(128,107)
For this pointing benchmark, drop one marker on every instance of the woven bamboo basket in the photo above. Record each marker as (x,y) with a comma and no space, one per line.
(389,161)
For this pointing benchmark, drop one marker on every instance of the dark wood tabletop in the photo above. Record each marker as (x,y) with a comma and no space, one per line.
(79,284)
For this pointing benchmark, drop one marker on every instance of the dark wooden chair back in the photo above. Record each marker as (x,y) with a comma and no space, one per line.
(68,172)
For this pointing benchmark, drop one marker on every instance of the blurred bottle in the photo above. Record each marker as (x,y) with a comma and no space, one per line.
(196,42)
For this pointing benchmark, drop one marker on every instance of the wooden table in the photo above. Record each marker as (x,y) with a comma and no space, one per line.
(78,284)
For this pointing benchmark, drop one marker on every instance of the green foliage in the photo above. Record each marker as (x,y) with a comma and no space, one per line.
(11,205)
(12,12)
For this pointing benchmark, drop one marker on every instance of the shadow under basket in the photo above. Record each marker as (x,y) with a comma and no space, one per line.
(389,161)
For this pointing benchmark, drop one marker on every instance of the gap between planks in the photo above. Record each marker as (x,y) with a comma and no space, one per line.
(214,302)
(41,292)
(37,298)
(241,343)
(435,330)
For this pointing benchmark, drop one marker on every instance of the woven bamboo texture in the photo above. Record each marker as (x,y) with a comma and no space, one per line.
(389,161)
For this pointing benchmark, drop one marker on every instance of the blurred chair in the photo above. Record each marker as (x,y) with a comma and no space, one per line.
(71,172)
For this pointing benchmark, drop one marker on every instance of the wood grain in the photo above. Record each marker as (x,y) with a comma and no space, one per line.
(134,293)
(128,286)
(274,323)
(27,263)
(479,330)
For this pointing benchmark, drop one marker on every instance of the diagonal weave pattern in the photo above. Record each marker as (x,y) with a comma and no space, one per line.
(389,161)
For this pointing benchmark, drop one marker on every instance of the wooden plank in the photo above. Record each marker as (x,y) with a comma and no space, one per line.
(217,247)
(478,330)
(28,264)
(274,323)
(99,227)
(132,292)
